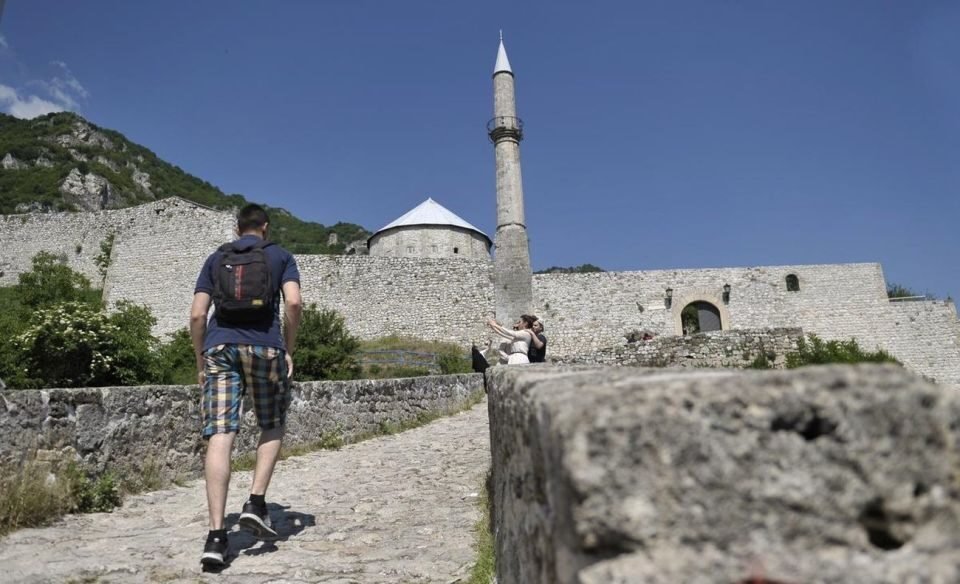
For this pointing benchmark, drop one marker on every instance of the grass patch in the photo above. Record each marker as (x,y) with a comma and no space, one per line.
(335,440)
(486,567)
(34,496)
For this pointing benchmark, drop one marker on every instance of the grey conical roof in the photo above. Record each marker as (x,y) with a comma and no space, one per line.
(430,212)
(503,63)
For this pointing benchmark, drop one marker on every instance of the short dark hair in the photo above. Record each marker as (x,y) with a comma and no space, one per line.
(250,217)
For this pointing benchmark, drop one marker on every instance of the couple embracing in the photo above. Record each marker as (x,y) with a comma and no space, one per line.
(527,343)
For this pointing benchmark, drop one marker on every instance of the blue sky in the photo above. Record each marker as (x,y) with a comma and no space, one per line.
(658,134)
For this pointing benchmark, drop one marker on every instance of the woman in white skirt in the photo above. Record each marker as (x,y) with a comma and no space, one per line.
(519,338)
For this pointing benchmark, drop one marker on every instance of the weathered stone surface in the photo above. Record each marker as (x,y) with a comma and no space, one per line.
(128,428)
(393,510)
(832,474)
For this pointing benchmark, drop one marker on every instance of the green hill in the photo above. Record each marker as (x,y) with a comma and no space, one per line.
(61,162)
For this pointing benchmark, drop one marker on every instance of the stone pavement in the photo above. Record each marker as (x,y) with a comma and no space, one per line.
(395,509)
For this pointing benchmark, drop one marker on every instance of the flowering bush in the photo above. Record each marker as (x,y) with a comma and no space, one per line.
(75,344)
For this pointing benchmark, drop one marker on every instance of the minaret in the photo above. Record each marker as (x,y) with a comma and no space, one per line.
(514,287)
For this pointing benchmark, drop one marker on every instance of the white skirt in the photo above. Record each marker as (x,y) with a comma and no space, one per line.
(518,359)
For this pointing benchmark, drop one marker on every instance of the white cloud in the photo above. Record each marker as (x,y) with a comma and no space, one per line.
(3,43)
(26,107)
(65,91)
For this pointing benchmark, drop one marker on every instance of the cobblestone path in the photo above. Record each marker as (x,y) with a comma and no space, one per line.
(393,509)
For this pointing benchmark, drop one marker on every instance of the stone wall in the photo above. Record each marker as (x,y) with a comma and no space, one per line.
(450,298)
(733,348)
(430,241)
(158,255)
(125,428)
(590,313)
(822,474)
(433,299)
(157,252)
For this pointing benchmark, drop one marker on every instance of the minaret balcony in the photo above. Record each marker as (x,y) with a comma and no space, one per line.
(505,127)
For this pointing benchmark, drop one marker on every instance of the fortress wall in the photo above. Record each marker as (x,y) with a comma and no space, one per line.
(158,255)
(587,312)
(450,298)
(925,336)
(24,236)
(436,299)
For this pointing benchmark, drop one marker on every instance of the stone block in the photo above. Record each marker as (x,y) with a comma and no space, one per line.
(829,474)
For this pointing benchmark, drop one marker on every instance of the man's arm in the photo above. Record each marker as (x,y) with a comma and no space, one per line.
(292,309)
(198,328)
(536,341)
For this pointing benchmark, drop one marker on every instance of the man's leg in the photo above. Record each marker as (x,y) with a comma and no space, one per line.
(222,392)
(268,451)
(216,470)
(265,374)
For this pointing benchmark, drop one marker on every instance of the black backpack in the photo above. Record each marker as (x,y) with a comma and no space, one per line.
(242,284)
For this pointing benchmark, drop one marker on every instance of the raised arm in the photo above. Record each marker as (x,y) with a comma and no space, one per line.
(507,333)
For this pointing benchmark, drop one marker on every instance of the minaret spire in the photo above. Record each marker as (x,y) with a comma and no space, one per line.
(503,63)
(512,274)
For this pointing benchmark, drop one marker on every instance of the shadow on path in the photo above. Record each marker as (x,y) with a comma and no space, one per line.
(241,542)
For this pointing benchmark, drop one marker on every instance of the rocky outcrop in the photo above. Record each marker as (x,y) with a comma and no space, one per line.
(43,162)
(11,163)
(88,192)
(83,135)
(825,474)
(141,179)
(108,163)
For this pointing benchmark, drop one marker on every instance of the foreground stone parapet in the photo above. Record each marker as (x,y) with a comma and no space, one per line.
(828,474)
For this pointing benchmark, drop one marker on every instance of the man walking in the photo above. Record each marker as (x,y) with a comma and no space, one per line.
(242,349)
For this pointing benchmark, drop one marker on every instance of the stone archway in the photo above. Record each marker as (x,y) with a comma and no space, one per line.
(700,317)
(702,306)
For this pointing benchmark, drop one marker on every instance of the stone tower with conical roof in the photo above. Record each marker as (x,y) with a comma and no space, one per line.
(514,281)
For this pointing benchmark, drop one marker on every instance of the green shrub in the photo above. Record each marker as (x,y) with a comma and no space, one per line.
(392,371)
(92,495)
(75,345)
(454,361)
(135,350)
(816,351)
(325,348)
(49,282)
(177,360)
(105,257)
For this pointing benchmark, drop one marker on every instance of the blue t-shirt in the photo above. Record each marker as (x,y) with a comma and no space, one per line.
(283,269)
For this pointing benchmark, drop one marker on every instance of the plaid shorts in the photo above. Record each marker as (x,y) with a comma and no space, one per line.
(231,370)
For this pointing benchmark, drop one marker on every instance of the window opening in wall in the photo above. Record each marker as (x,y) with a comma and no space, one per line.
(409,249)
(434,248)
(700,317)
(456,250)
(793,283)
